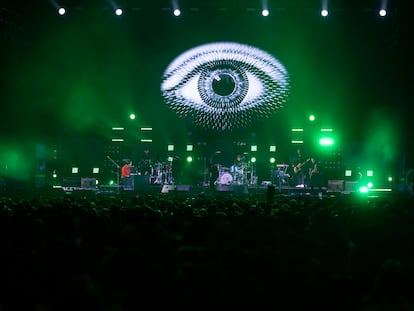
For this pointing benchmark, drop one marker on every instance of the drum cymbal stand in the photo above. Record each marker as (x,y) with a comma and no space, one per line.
(168,174)
(158,170)
(253,177)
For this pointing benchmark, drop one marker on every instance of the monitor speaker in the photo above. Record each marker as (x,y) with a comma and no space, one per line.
(183,188)
(167,188)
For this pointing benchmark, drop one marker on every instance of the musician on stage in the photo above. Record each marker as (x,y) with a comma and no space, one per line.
(126,178)
(299,169)
(237,164)
(237,169)
(314,174)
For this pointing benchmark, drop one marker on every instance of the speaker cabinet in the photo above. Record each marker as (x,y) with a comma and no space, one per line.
(88,183)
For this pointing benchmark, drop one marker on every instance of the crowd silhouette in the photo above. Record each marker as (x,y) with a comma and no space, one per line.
(141,251)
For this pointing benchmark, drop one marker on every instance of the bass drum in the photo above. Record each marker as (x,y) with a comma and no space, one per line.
(226,179)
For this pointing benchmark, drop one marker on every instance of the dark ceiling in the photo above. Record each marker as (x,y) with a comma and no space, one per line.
(22,7)
(24,22)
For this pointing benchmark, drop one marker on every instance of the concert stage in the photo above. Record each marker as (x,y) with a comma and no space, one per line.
(181,192)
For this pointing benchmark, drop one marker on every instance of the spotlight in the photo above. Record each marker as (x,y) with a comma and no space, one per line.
(61,11)
(177,12)
(118,11)
(265,12)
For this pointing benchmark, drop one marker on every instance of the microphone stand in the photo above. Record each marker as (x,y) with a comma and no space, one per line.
(117,175)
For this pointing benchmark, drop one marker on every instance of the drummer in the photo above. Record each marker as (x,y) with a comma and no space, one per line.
(237,165)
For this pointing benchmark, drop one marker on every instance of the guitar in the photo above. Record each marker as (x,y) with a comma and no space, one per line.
(297,168)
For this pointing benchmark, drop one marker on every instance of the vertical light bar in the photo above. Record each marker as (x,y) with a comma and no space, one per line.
(324,9)
(383,8)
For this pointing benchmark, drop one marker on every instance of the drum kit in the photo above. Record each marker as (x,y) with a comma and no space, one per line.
(235,174)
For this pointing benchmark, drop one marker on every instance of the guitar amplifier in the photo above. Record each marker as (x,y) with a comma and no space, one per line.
(88,183)
(336,185)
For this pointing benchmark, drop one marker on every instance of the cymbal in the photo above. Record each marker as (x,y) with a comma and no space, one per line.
(282,165)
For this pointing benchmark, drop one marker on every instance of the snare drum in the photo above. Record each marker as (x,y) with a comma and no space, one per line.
(226,179)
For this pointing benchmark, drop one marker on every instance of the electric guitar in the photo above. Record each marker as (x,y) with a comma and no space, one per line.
(297,168)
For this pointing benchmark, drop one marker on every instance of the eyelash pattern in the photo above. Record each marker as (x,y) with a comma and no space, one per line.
(225,85)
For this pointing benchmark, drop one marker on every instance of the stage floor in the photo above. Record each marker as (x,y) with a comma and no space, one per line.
(260,192)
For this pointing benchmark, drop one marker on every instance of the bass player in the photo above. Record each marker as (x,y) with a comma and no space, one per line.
(299,173)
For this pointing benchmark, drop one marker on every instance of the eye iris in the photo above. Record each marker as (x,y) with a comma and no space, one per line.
(222,86)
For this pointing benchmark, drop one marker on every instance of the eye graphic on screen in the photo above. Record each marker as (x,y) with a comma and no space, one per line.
(225,85)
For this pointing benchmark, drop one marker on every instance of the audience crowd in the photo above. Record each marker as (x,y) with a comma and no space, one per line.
(126,252)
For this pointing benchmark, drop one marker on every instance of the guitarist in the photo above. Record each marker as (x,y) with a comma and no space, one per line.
(299,163)
(315,178)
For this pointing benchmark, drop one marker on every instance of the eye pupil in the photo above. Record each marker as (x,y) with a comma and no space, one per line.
(223,84)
